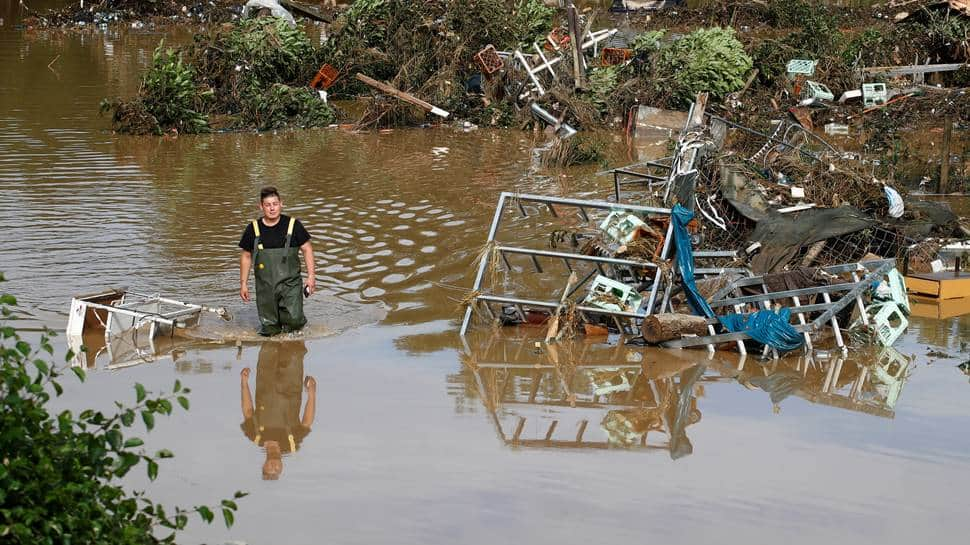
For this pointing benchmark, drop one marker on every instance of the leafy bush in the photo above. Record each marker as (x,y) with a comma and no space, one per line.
(60,474)
(708,59)
(649,42)
(602,81)
(251,74)
(169,93)
(282,106)
(533,19)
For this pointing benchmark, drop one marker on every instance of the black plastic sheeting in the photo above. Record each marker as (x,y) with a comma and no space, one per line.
(783,235)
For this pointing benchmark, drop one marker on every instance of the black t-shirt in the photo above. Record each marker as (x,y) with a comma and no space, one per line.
(273,237)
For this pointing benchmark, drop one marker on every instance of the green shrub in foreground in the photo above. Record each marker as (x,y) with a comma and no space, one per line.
(60,474)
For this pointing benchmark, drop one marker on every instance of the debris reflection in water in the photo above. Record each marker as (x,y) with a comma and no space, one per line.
(597,396)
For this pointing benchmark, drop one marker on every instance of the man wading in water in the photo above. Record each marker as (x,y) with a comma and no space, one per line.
(271,246)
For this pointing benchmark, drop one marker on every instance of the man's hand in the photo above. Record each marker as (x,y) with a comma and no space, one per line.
(311,285)
(244,374)
(311,384)
(244,292)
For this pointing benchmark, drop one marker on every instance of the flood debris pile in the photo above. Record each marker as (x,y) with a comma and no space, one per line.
(794,247)
(251,74)
(428,49)
(79,14)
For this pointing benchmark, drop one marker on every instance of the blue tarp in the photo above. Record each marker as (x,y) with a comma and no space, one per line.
(766,327)
(681,216)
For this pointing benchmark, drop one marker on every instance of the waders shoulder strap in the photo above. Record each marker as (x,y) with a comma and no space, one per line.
(256,243)
(289,232)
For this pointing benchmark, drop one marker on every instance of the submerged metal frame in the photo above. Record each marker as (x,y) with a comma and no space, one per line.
(851,293)
(567,257)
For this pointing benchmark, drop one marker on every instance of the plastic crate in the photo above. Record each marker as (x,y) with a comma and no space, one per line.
(325,77)
(608,294)
(557,39)
(801,67)
(885,331)
(489,60)
(817,90)
(622,227)
(874,94)
(615,55)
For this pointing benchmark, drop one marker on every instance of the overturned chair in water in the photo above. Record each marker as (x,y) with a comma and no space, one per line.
(128,324)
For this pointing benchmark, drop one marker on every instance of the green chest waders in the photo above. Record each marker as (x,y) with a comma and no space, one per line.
(279,287)
(279,389)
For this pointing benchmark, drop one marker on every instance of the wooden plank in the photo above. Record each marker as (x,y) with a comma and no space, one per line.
(575,44)
(913,69)
(943,285)
(945,160)
(939,309)
(385,88)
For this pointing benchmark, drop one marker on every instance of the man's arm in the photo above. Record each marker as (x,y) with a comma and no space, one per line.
(311,275)
(247,397)
(310,410)
(245,263)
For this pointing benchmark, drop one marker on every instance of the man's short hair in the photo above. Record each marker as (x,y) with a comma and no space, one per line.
(268,191)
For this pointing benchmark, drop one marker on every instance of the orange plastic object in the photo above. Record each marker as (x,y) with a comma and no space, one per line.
(616,55)
(489,60)
(325,77)
(557,39)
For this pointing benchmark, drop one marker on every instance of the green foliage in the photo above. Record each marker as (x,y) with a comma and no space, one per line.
(789,13)
(60,474)
(708,59)
(601,82)
(169,93)
(282,106)
(251,73)
(532,19)
(868,41)
(256,52)
(648,43)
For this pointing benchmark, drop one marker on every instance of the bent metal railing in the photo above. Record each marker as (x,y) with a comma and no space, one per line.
(481,300)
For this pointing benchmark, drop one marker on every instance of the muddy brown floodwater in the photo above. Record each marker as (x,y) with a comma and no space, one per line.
(415,437)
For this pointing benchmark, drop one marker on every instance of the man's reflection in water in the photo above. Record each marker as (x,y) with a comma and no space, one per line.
(274,422)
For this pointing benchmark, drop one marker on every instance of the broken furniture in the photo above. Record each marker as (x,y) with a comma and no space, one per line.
(117,313)
(488,299)
(608,399)
(812,318)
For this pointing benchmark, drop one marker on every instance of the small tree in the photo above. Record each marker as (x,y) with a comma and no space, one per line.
(60,474)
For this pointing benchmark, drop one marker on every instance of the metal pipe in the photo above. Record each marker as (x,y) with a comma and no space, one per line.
(484,261)
(578,257)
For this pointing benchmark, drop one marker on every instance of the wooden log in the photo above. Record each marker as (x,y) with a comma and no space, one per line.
(658,328)
(575,44)
(942,187)
(385,88)
(894,71)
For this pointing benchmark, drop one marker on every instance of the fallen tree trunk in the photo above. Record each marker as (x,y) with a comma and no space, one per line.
(658,328)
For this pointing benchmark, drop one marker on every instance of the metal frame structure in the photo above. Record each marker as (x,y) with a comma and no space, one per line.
(526,393)
(127,310)
(563,404)
(619,267)
(592,40)
(825,312)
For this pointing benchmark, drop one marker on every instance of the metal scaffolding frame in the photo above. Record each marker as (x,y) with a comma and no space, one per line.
(619,268)
(826,312)
(518,388)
